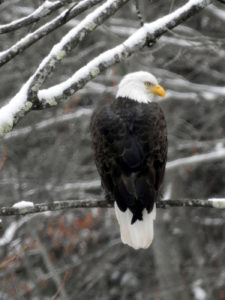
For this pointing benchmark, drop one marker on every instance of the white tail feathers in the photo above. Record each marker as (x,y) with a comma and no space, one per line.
(141,233)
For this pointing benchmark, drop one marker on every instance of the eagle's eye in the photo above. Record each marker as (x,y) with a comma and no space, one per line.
(155,89)
(148,84)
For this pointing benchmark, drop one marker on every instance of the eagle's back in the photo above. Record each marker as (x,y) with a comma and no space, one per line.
(130,147)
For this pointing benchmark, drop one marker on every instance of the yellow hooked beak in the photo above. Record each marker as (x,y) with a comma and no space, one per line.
(157,90)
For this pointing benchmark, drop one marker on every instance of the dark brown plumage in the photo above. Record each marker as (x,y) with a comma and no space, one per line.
(130,145)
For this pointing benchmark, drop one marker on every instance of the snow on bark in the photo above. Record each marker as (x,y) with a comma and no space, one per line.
(19,105)
(72,39)
(45,29)
(218,202)
(16,108)
(43,10)
(218,13)
(11,230)
(23,204)
(147,35)
(216,155)
(198,292)
(91,203)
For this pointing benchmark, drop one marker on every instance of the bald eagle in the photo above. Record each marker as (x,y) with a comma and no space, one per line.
(129,139)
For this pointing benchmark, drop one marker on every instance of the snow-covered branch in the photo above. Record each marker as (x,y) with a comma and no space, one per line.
(70,41)
(218,154)
(145,36)
(44,30)
(203,145)
(23,209)
(42,11)
(218,13)
(26,99)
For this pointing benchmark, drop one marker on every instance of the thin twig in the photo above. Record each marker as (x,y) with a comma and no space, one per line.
(139,15)
(50,267)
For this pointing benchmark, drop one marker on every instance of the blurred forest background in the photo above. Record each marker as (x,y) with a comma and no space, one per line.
(77,254)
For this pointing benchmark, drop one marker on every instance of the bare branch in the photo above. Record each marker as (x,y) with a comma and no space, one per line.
(90,203)
(44,30)
(50,267)
(42,11)
(139,15)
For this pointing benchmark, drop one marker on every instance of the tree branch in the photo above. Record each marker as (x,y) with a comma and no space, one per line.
(90,203)
(218,154)
(69,42)
(42,11)
(11,113)
(44,30)
(146,35)
(49,265)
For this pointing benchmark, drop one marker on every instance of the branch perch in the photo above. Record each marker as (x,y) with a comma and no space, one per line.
(91,203)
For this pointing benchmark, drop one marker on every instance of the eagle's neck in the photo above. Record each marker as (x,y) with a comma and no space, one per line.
(134,92)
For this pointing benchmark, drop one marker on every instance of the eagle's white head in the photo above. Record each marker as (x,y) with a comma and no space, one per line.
(140,86)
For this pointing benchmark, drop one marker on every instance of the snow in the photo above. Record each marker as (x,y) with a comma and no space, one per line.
(168,191)
(91,70)
(137,39)
(91,67)
(23,204)
(217,202)
(209,92)
(218,13)
(26,40)
(162,22)
(42,10)
(80,186)
(11,230)
(31,37)
(196,159)
(198,291)
(8,112)
(87,23)
(170,94)
(9,233)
